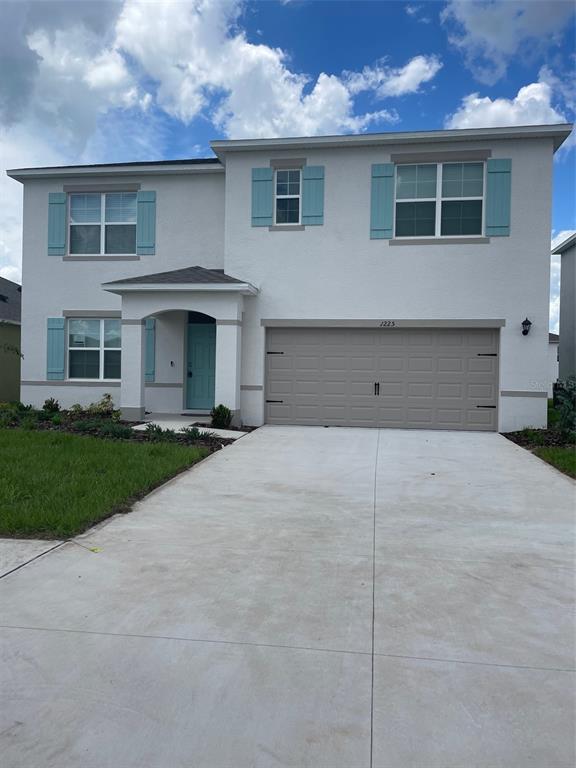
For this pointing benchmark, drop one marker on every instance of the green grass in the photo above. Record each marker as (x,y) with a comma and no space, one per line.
(55,485)
(553,415)
(563,459)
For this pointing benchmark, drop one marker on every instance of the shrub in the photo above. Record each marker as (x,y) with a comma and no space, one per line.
(29,422)
(51,405)
(193,433)
(57,420)
(221,417)
(104,407)
(566,397)
(76,410)
(114,430)
(533,436)
(154,432)
(21,407)
(85,425)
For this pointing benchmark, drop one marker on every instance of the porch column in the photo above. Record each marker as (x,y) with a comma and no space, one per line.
(228,351)
(132,381)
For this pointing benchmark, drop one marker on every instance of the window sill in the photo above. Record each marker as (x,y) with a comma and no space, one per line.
(287,228)
(439,241)
(102,257)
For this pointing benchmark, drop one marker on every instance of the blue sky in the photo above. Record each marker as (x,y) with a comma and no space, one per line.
(130,80)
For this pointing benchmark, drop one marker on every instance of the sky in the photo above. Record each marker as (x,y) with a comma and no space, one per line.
(93,81)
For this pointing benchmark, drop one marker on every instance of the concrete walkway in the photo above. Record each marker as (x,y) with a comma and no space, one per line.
(331,598)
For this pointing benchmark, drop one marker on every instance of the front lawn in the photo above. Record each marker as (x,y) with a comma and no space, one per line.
(563,459)
(56,485)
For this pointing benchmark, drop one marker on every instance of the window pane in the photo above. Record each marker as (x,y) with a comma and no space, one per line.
(462,179)
(281,189)
(414,181)
(120,238)
(84,364)
(85,238)
(282,177)
(83,333)
(462,217)
(112,333)
(85,209)
(288,210)
(121,207)
(112,364)
(415,219)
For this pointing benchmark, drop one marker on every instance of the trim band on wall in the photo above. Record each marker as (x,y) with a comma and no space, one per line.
(379,323)
(111,187)
(441,157)
(70,383)
(91,313)
(251,387)
(522,393)
(228,322)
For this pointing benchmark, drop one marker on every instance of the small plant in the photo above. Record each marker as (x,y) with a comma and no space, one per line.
(170,435)
(76,410)
(114,430)
(86,425)
(221,417)
(28,422)
(51,405)
(22,408)
(57,420)
(104,407)
(533,436)
(193,433)
(154,432)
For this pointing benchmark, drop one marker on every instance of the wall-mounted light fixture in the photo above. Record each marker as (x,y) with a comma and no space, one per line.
(526,325)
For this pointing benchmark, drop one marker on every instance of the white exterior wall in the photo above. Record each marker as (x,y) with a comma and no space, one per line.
(333,271)
(189,232)
(336,271)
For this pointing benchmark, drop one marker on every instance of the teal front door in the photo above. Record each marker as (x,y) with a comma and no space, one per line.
(201,365)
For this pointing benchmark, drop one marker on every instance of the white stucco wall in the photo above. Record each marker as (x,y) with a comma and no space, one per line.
(336,271)
(189,231)
(332,271)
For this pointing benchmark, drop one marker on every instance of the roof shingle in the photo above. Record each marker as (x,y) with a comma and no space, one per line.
(186,275)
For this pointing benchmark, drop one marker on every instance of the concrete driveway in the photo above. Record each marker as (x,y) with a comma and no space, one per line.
(332,598)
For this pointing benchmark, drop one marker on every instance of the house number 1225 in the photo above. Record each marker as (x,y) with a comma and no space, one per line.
(387,324)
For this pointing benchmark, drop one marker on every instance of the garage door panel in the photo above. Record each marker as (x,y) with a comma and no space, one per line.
(427,378)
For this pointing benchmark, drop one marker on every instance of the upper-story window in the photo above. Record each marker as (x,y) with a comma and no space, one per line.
(103,223)
(439,200)
(94,348)
(288,196)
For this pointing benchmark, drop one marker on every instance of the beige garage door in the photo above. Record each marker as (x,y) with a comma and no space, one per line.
(375,377)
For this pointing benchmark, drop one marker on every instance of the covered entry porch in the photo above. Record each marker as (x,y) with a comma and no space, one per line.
(181,341)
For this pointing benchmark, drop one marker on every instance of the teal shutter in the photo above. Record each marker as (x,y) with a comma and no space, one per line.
(498,194)
(262,197)
(55,346)
(150,349)
(56,224)
(313,195)
(146,223)
(382,202)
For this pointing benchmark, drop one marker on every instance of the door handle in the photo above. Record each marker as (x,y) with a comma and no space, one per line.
(377,388)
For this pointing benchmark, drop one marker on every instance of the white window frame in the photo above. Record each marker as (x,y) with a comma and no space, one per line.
(438,200)
(288,197)
(101,349)
(102,224)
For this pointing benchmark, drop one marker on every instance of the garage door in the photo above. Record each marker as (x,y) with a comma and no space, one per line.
(375,377)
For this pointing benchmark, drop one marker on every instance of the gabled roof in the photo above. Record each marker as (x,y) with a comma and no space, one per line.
(10,301)
(191,275)
(553,338)
(565,244)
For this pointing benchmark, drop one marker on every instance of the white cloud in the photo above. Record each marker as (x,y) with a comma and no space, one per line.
(395,81)
(491,32)
(531,106)
(80,73)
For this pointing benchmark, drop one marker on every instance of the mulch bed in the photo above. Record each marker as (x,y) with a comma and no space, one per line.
(539,438)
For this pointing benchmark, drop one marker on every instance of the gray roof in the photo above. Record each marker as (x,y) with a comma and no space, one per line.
(553,338)
(175,276)
(568,242)
(10,300)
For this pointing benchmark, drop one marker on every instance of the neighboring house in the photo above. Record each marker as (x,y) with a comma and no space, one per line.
(369,280)
(10,301)
(553,358)
(567,251)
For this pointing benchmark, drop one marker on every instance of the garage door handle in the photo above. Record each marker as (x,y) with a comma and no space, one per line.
(485,406)
(486,354)
(274,353)
(377,388)
(274,401)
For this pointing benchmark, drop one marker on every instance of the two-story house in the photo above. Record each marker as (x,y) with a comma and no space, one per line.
(369,280)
